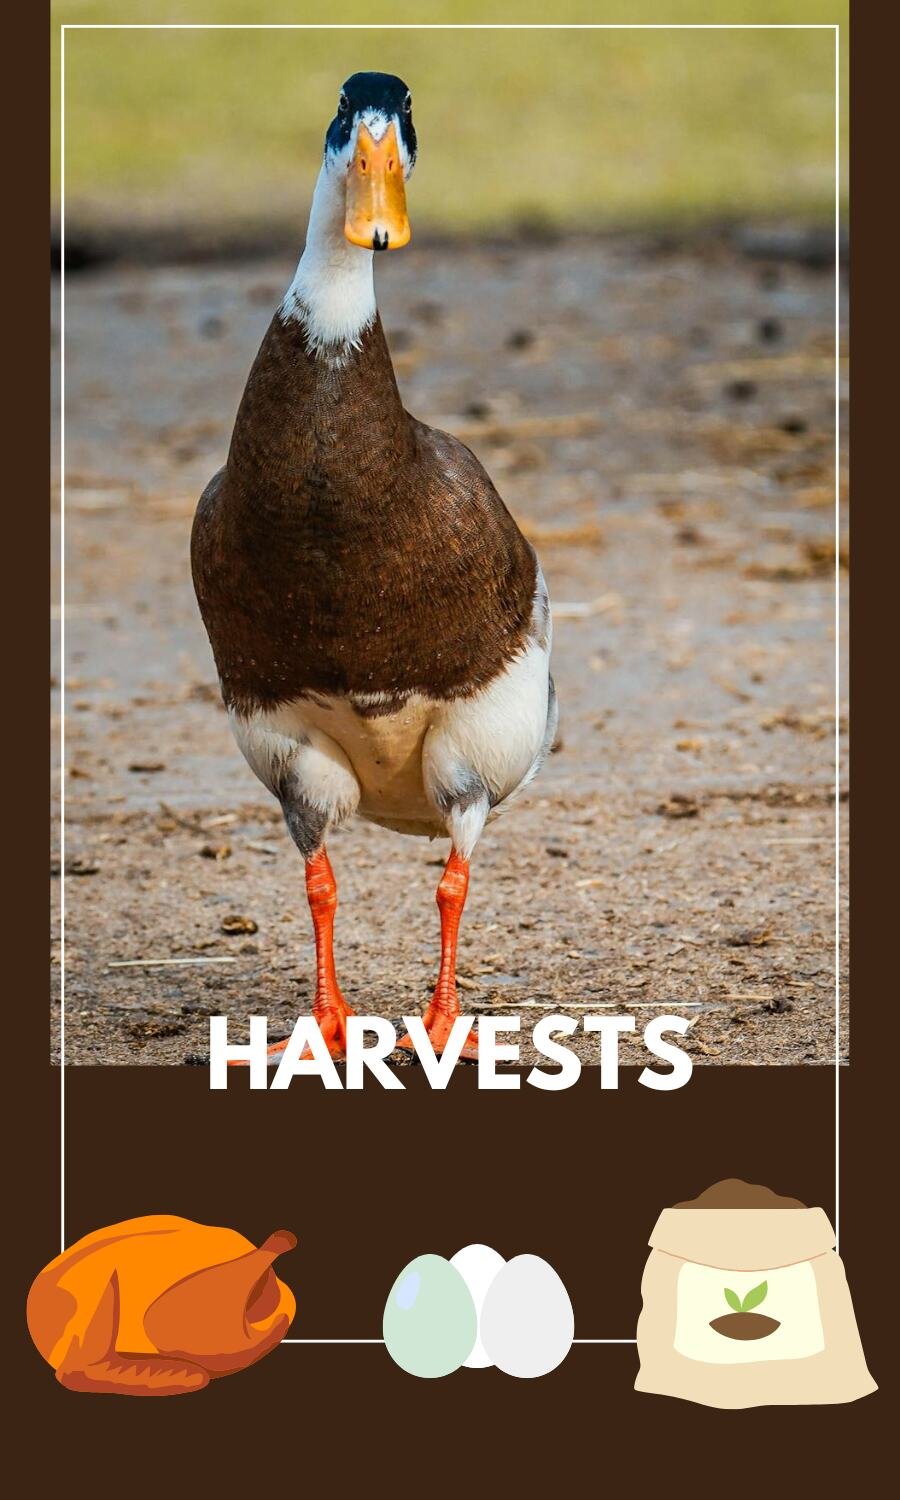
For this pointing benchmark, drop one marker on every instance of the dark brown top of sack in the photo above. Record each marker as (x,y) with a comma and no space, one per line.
(732,1192)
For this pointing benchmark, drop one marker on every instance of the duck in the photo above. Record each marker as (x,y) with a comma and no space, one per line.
(159,1305)
(380,626)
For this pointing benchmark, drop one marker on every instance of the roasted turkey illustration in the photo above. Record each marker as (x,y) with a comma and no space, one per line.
(159,1306)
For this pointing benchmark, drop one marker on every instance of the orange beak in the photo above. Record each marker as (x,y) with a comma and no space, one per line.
(376,193)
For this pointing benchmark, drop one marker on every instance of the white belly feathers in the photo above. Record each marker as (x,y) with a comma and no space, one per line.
(385,753)
(399,768)
(431,766)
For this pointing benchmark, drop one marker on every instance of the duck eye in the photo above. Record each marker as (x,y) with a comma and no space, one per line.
(343,104)
(407,105)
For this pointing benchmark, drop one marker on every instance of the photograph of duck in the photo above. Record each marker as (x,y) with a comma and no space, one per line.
(380,626)
(601,371)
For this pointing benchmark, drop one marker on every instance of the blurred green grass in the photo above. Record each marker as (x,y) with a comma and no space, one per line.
(572,129)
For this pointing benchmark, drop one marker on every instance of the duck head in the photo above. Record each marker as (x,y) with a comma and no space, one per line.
(370,147)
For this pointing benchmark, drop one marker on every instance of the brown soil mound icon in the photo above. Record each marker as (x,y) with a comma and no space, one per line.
(742,1322)
(743,1325)
(159,1306)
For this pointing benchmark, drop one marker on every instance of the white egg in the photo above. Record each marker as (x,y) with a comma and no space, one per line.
(478,1265)
(526,1323)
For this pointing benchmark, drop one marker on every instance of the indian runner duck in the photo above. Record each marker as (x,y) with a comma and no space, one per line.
(380,626)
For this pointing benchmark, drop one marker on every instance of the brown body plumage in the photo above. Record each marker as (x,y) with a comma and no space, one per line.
(347,548)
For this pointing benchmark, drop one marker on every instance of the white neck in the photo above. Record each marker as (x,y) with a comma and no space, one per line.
(333,290)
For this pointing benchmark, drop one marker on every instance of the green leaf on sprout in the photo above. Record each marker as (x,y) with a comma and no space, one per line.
(732,1299)
(755,1296)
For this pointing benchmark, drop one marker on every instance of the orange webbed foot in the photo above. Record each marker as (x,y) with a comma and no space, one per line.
(438,1022)
(332,1021)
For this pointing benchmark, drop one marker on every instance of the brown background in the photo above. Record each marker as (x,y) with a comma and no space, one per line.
(369,1180)
(599,1168)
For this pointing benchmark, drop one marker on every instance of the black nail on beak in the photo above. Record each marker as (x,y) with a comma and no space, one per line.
(378,243)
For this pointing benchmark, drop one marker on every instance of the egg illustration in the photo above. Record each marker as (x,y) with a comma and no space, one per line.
(478,1265)
(527,1324)
(430,1324)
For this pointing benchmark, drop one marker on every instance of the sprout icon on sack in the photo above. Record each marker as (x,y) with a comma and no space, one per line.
(742,1322)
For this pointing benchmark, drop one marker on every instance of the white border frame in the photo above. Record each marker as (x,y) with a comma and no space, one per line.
(62,603)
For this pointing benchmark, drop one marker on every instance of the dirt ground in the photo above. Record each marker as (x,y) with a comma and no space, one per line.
(660,419)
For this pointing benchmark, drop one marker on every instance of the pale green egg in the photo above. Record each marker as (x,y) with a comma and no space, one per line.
(430,1323)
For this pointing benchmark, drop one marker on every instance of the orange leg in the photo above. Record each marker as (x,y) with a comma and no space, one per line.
(329,1007)
(444,1007)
